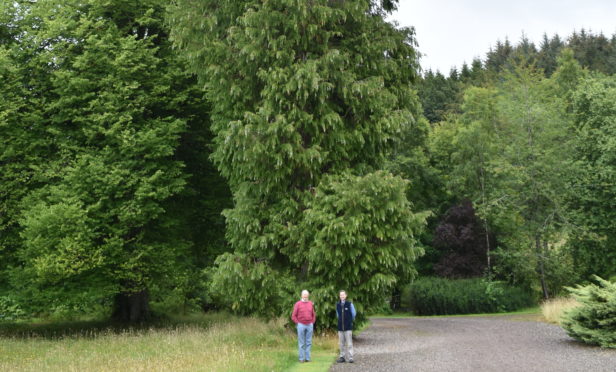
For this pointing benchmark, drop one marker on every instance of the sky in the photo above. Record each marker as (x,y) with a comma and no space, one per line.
(450,32)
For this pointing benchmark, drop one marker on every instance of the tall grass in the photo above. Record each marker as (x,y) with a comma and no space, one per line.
(553,309)
(202,343)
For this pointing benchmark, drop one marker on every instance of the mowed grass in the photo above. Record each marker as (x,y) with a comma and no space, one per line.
(553,309)
(205,342)
(324,352)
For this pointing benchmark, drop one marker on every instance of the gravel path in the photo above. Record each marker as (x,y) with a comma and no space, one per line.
(497,343)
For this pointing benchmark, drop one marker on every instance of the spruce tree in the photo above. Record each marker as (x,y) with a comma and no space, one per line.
(594,320)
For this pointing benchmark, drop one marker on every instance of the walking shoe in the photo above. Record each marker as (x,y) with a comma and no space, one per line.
(301,361)
(351,361)
(340,360)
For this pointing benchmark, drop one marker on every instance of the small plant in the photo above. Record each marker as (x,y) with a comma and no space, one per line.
(594,321)
(554,308)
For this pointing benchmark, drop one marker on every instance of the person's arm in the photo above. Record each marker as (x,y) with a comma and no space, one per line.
(294,314)
(353,312)
(314,314)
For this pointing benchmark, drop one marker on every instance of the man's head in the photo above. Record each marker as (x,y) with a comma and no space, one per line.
(343,295)
(305,295)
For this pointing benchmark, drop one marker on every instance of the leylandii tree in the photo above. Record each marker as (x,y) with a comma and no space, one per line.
(302,90)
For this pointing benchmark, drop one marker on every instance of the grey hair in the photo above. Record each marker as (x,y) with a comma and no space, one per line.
(305,291)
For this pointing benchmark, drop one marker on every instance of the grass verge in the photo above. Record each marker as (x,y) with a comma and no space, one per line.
(553,309)
(323,354)
(203,342)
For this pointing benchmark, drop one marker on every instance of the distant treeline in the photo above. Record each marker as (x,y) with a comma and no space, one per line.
(441,93)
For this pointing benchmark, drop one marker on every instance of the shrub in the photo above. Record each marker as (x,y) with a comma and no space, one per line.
(594,321)
(10,309)
(438,296)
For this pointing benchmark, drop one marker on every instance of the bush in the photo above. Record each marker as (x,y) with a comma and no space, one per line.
(438,296)
(594,321)
(10,309)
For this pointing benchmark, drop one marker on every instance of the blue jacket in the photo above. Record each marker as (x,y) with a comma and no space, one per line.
(345,315)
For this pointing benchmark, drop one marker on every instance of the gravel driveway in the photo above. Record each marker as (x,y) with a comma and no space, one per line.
(495,343)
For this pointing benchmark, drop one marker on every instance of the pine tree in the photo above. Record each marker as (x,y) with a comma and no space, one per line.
(548,53)
(438,95)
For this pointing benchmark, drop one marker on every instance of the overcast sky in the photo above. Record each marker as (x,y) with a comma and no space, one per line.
(450,32)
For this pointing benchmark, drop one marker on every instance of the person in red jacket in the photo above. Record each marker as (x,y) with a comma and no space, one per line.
(304,317)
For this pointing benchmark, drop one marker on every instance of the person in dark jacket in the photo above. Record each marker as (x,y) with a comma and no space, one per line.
(346,315)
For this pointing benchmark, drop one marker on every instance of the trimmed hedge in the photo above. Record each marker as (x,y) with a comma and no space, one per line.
(594,321)
(439,296)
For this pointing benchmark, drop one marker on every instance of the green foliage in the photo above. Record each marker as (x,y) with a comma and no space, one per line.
(310,107)
(568,74)
(594,321)
(359,234)
(439,95)
(593,193)
(534,161)
(508,152)
(438,296)
(518,266)
(92,115)
(249,286)
(10,309)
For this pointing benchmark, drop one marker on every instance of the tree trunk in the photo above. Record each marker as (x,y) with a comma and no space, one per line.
(541,268)
(485,219)
(395,302)
(485,224)
(132,307)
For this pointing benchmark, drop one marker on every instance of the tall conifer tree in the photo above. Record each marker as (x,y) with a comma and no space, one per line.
(308,97)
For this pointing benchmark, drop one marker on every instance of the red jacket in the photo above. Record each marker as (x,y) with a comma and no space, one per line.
(303,312)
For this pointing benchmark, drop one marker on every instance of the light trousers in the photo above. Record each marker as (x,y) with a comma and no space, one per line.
(304,340)
(345,339)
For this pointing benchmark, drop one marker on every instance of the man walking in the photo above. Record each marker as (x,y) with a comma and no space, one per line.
(346,315)
(304,317)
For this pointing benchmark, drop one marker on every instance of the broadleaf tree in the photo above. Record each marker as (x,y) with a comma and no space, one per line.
(105,98)
(592,194)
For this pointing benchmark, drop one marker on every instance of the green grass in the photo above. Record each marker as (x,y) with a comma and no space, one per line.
(323,354)
(204,342)
(200,342)
(321,361)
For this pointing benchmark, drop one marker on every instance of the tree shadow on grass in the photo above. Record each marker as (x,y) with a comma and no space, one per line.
(93,328)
